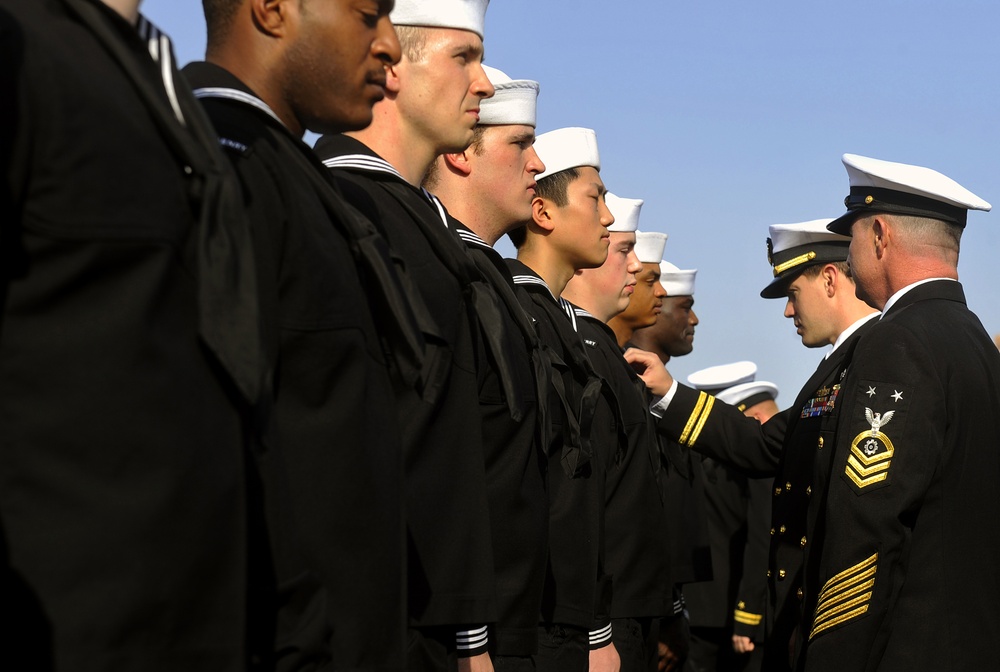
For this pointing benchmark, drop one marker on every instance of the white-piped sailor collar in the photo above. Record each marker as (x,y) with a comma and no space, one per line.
(229,93)
(161,51)
(531,280)
(470,237)
(366,162)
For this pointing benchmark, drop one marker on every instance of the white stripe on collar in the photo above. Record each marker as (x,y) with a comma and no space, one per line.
(437,204)
(571,311)
(237,95)
(583,313)
(533,280)
(471,237)
(160,51)
(362,162)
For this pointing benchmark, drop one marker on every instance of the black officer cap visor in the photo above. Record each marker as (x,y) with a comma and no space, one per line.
(864,201)
(789,264)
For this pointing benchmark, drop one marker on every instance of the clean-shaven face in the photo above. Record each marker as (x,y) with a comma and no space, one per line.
(504,165)
(808,306)
(439,94)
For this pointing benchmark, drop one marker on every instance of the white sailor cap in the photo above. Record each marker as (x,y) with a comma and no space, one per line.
(791,248)
(734,384)
(567,148)
(649,246)
(625,212)
(902,189)
(460,14)
(513,102)
(676,282)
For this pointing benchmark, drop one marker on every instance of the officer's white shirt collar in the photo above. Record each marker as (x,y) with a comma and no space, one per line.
(846,333)
(898,295)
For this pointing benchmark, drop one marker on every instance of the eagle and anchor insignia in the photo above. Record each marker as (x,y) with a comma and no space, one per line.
(871,451)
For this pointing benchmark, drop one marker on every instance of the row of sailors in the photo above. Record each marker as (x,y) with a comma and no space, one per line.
(283,407)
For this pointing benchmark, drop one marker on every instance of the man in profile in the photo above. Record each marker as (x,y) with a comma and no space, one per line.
(432,107)
(916,452)
(130,355)
(332,473)
(811,274)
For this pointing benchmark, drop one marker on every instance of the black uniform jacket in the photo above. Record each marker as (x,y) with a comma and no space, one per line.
(515,468)
(583,440)
(123,498)
(638,543)
(739,517)
(450,557)
(907,576)
(789,447)
(333,473)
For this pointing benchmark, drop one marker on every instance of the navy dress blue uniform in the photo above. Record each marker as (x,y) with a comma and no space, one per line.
(444,472)
(638,537)
(129,356)
(332,474)
(515,469)
(790,448)
(584,440)
(906,578)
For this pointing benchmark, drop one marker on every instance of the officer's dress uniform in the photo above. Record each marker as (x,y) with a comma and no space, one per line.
(129,355)
(790,447)
(584,441)
(332,476)
(450,578)
(907,578)
(512,435)
(638,543)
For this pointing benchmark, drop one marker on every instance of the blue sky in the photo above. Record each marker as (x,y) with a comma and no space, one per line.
(728,116)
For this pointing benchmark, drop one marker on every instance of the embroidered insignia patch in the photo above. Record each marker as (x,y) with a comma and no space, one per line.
(821,404)
(879,411)
(871,451)
(845,596)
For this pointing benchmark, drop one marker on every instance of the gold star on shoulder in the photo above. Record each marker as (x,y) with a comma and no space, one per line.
(898,396)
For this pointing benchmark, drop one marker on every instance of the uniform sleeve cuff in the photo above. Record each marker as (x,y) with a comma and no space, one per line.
(600,637)
(661,404)
(472,642)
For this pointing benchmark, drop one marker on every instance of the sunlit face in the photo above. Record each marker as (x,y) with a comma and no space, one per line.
(647,299)
(504,166)
(808,305)
(863,262)
(334,68)
(611,286)
(580,228)
(439,95)
(675,325)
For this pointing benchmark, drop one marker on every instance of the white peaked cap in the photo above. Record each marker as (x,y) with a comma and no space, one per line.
(791,248)
(460,14)
(745,395)
(734,384)
(513,102)
(649,246)
(675,281)
(567,148)
(790,236)
(625,212)
(717,378)
(899,188)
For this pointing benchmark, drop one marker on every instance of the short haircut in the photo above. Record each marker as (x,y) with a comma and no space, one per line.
(842,266)
(553,187)
(219,16)
(932,232)
(412,40)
